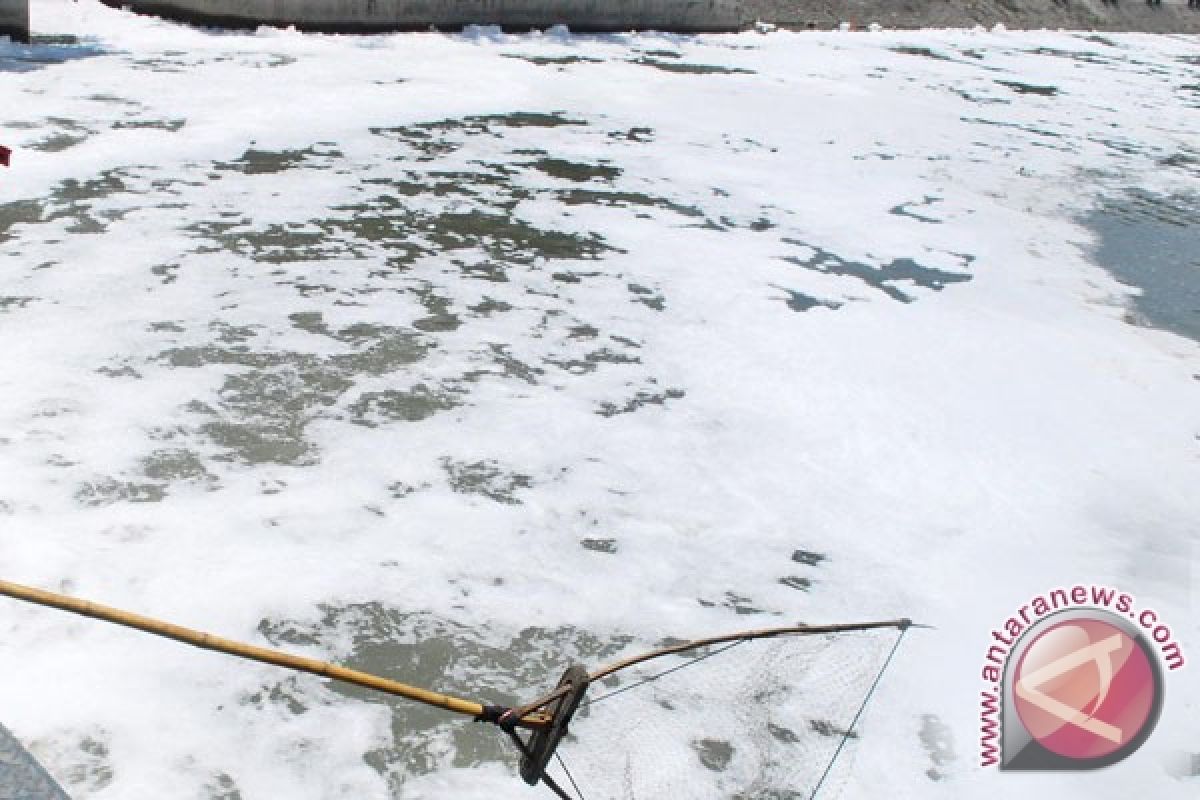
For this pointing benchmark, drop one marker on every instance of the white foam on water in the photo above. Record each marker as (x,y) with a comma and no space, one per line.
(952,449)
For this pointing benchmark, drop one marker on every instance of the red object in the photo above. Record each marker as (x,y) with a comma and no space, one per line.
(4,154)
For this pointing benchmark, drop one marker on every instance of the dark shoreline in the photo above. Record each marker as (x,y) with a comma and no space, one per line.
(373,16)
(1133,16)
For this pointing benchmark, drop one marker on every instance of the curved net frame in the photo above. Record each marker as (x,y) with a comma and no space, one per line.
(763,722)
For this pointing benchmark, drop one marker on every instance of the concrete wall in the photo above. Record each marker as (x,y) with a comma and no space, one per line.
(375,15)
(14,19)
(1171,16)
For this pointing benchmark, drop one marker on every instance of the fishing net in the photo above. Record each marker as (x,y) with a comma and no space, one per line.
(768,719)
(776,719)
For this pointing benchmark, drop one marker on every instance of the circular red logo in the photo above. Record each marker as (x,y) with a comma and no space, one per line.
(1084,689)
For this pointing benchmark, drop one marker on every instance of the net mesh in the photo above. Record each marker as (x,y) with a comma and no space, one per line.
(761,721)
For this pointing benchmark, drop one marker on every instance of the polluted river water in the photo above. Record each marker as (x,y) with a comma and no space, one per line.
(463,357)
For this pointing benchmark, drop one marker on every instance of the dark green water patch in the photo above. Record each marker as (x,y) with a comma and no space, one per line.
(474,183)
(883,278)
(395,224)
(276,243)
(423,139)
(268,162)
(504,363)
(1083,56)
(648,297)
(169,125)
(440,319)
(1029,88)
(572,276)
(980,99)
(1187,160)
(906,209)
(1151,242)
(263,60)
(524,119)
(799,301)
(71,200)
(624,199)
(575,171)
(555,61)
(177,465)
(83,761)
(831,729)
(401,489)
(488,306)
(485,270)
(433,139)
(640,135)
(58,142)
(221,786)
(168,61)
(509,239)
(809,558)
(18,212)
(690,69)
(583,332)
(117,369)
(521,119)
(10,302)
(806,558)
(265,405)
(409,232)
(639,401)
(426,650)
(937,738)
(66,134)
(1040,132)
(106,491)
(263,414)
(739,604)
(924,52)
(796,582)
(714,754)
(1122,146)
(487,479)
(1191,92)
(77,194)
(591,361)
(411,405)
(782,734)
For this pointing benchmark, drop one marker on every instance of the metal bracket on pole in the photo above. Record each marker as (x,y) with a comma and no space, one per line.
(544,741)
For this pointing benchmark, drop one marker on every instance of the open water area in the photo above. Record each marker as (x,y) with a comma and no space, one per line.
(463,357)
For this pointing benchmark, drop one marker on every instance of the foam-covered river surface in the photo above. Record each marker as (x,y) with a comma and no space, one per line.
(460,358)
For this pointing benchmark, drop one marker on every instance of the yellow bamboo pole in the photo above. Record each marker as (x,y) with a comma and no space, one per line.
(254,653)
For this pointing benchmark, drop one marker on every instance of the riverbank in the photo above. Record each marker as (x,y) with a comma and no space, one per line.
(1171,16)
(1166,16)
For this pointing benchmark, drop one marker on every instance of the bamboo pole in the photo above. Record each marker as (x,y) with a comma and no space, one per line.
(743,636)
(254,653)
(738,636)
